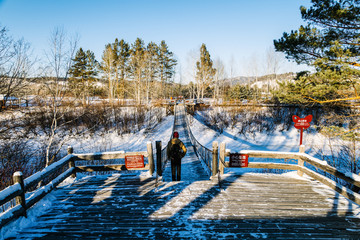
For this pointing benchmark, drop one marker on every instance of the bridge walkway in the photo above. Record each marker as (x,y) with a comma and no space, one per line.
(191,167)
(248,206)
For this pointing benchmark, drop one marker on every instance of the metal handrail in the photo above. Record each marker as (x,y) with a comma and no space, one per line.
(164,156)
(205,154)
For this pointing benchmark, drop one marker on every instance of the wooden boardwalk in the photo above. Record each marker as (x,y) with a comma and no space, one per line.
(248,206)
(251,206)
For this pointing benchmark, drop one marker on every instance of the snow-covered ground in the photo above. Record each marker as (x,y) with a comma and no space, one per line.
(287,141)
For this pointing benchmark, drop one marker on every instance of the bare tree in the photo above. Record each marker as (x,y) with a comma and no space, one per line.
(191,59)
(59,57)
(15,65)
(220,76)
(273,61)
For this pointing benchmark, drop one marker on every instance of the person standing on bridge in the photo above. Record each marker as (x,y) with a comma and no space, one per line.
(176,150)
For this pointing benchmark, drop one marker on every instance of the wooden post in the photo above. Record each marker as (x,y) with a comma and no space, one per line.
(215,161)
(222,157)
(301,162)
(158,158)
(20,199)
(70,150)
(150,158)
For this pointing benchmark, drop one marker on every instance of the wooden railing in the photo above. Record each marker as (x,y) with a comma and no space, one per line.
(21,187)
(300,167)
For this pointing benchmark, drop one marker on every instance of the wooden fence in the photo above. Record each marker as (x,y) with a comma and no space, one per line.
(67,167)
(301,168)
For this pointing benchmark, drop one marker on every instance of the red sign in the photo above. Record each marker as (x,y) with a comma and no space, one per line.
(302,123)
(238,160)
(134,161)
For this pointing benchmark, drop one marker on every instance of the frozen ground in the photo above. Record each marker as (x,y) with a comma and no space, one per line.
(278,141)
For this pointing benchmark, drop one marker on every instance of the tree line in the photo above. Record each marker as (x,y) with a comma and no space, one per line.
(130,71)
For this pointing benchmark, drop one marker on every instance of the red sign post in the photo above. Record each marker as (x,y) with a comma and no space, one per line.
(134,161)
(238,160)
(302,123)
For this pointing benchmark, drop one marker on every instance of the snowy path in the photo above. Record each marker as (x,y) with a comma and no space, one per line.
(250,206)
(191,168)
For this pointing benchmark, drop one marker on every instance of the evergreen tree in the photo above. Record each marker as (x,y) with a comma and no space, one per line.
(152,60)
(205,71)
(167,64)
(123,55)
(137,67)
(82,74)
(108,67)
(331,43)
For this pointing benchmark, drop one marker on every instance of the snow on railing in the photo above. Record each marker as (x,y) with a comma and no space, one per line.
(20,187)
(206,155)
(301,168)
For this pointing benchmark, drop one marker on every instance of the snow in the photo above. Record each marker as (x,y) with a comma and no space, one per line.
(9,190)
(39,175)
(33,213)
(110,141)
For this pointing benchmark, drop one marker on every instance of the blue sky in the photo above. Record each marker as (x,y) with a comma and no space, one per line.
(231,29)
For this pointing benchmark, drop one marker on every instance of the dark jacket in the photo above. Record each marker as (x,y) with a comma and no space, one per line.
(181,144)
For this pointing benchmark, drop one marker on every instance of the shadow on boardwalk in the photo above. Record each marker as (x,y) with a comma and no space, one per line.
(249,206)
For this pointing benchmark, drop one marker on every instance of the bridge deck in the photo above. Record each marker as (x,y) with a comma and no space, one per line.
(247,206)
(191,167)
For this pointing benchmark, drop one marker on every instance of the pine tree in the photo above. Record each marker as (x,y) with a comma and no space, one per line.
(205,71)
(137,67)
(330,42)
(152,60)
(167,64)
(82,74)
(108,67)
(123,55)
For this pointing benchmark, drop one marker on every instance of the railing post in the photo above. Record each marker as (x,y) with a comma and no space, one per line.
(158,158)
(70,150)
(18,178)
(215,161)
(150,158)
(222,157)
(301,162)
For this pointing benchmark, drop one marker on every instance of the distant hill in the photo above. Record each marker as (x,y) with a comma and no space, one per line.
(252,80)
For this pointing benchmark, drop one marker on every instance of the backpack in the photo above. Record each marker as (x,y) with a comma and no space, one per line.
(175,151)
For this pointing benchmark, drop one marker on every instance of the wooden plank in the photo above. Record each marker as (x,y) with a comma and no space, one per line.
(110,167)
(107,155)
(270,165)
(331,170)
(11,214)
(37,177)
(355,197)
(9,193)
(42,191)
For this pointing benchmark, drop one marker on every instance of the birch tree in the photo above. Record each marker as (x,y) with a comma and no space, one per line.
(59,57)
